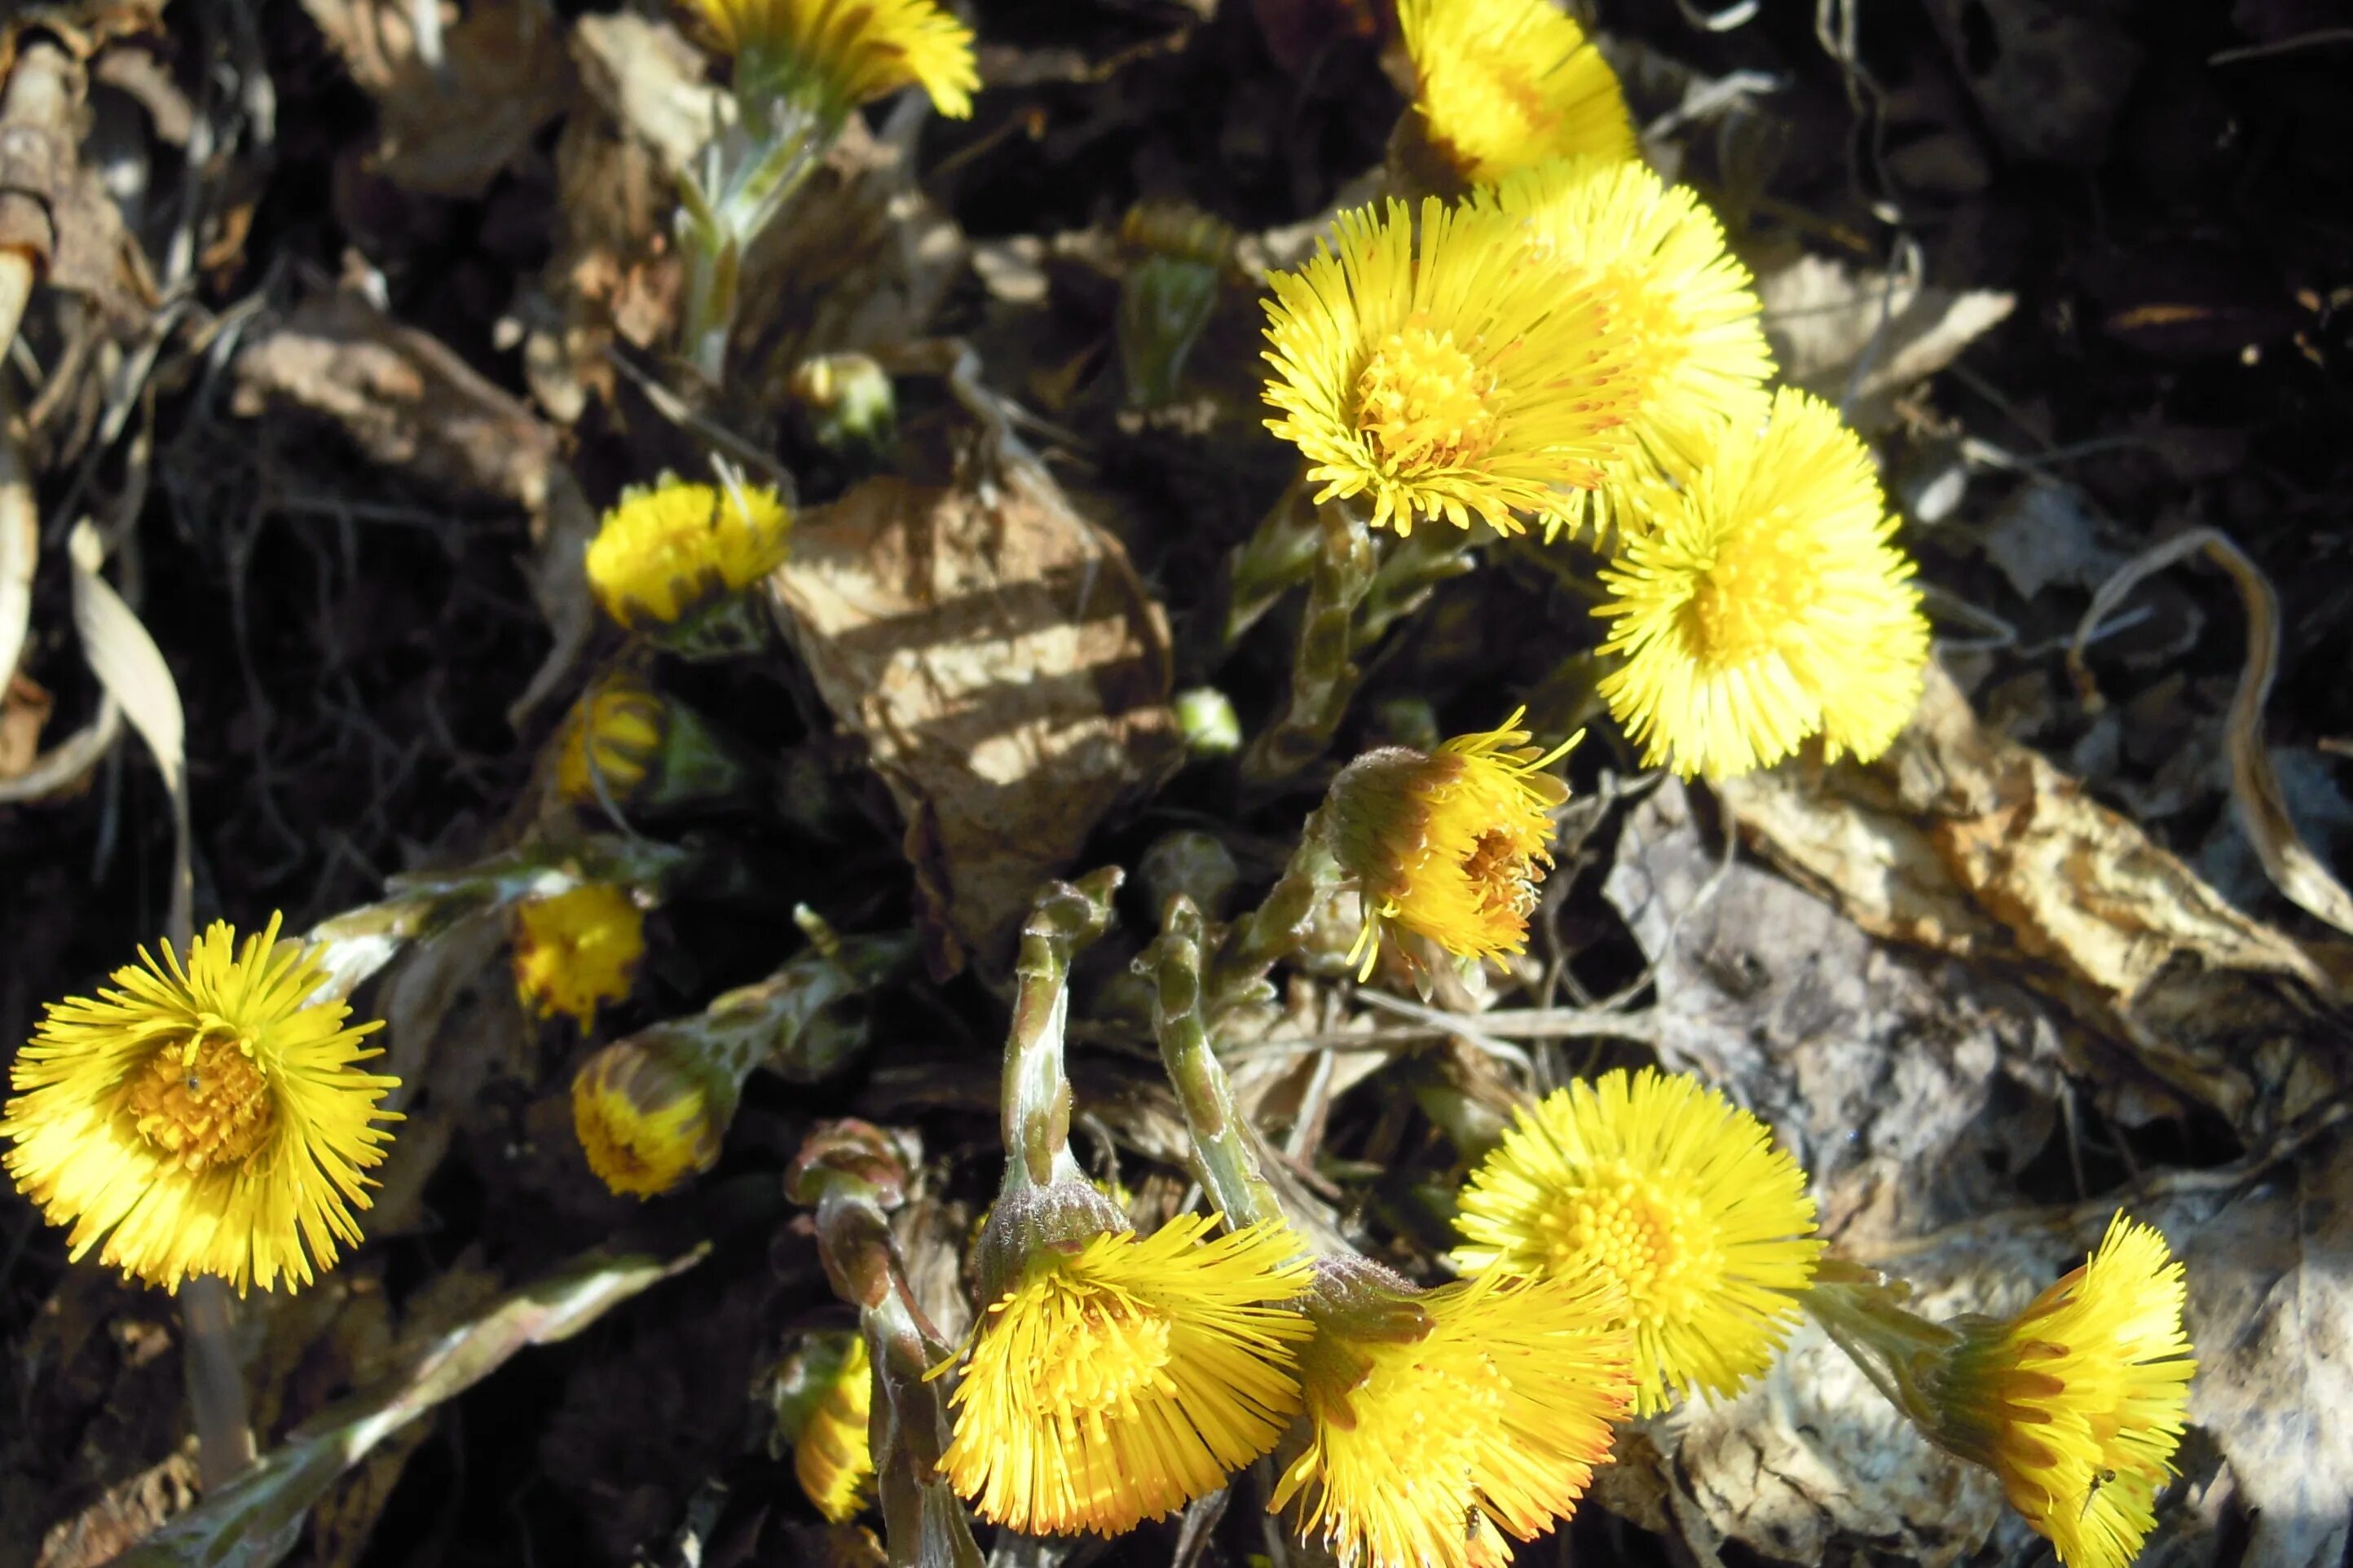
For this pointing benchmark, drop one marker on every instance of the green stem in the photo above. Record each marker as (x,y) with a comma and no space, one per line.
(1278,555)
(1037,1095)
(1229,1164)
(1899,1351)
(1279,926)
(1412,570)
(1322,678)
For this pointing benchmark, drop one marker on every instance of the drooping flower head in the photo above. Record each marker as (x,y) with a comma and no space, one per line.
(835,55)
(1766,603)
(1676,292)
(610,740)
(1441,1421)
(2078,1402)
(577,950)
(832,1458)
(1660,1184)
(650,1111)
(1461,378)
(1114,1378)
(668,552)
(1499,85)
(205,1118)
(1449,843)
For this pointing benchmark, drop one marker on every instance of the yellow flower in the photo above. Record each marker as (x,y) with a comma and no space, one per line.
(650,1114)
(1676,292)
(1449,843)
(205,1119)
(2078,1403)
(1766,603)
(1120,1377)
(1466,379)
(575,951)
(1443,1420)
(831,1457)
(1503,84)
(610,740)
(1664,1186)
(666,552)
(842,53)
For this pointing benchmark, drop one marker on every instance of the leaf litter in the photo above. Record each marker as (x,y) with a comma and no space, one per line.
(1985,1006)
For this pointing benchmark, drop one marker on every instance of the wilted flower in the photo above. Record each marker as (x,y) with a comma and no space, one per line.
(575,951)
(1441,1421)
(832,1459)
(1766,603)
(668,552)
(205,1119)
(1461,379)
(1449,843)
(835,55)
(1501,84)
(1676,293)
(1659,1184)
(1114,1378)
(2078,1403)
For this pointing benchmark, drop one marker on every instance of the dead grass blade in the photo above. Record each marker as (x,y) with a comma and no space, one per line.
(2291,865)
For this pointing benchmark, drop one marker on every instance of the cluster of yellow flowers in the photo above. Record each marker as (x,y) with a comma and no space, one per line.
(1569,341)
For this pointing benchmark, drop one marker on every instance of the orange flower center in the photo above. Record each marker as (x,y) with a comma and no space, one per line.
(204,1103)
(1762,583)
(1426,403)
(1498,871)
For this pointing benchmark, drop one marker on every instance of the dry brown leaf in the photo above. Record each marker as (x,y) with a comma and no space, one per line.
(1007,668)
(645,112)
(1964,842)
(404,398)
(447,127)
(1861,339)
(1904,1084)
(127,1513)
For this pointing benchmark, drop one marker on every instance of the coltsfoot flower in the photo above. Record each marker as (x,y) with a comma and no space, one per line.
(838,54)
(578,951)
(205,1118)
(1499,85)
(666,552)
(610,740)
(1766,603)
(1661,1185)
(1114,1377)
(1450,844)
(832,1459)
(2078,1403)
(650,1111)
(1461,379)
(1441,1421)
(1676,292)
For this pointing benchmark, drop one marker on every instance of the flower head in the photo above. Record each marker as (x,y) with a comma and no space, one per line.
(1503,84)
(1676,292)
(1461,378)
(832,1459)
(650,1111)
(578,950)
(1661,1185)
(610,740)
(1118,1377)
(1441,1421)
(668,552)
(205,1118)
(1449,843)
(1765,603)
(838,54)
(2078,1402)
